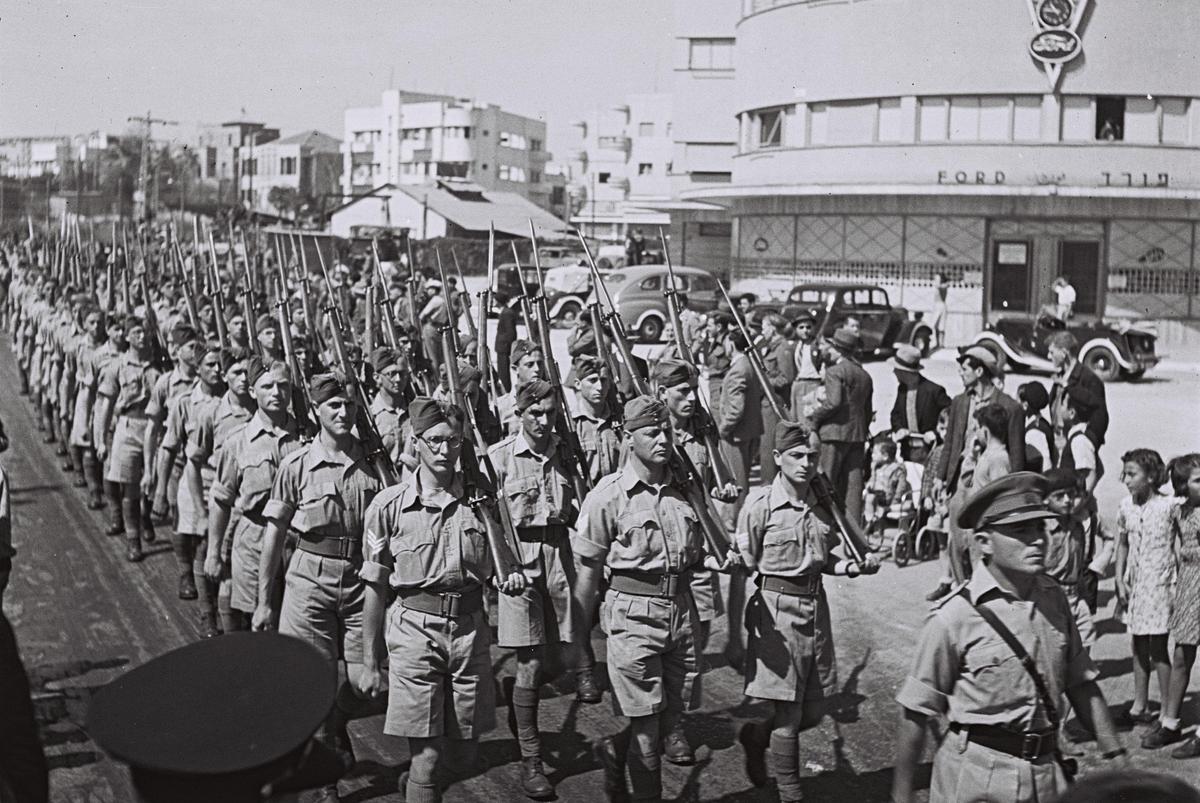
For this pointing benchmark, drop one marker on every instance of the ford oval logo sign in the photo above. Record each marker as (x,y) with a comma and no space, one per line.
(1055,46)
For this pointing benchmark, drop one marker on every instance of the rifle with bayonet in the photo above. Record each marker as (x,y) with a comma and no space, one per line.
(368,429)
(526,306)
(501,534)
(853,541)
(684,471)
(708,429)
(422,366)
(301,402)
(580,471)
(465,296)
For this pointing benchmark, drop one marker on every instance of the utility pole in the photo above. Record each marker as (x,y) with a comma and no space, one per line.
(141,207)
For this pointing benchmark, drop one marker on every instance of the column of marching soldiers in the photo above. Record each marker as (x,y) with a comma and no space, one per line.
(349,465)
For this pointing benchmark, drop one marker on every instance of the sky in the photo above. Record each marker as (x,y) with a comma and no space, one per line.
(74,66)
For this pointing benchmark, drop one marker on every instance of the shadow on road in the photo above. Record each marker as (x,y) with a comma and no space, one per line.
(62,711)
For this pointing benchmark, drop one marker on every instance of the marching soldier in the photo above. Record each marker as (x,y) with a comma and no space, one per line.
(425,541)
(388,407)
(124,394)
(995,659)
(593,418)
(788,540)
(780,366)
(190,508)
(213,428)
(526,360)
(168,389)
(92,352)
(322,490)
(531,468)
(639,526)
(246,465)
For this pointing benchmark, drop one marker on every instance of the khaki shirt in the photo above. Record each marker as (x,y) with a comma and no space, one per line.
(506,411)
(323,492)
(182,415)
(786,537)
(214,426)
(415,539)
(964,670)
(538,490)
(392,423)
(634,526)
(600,442)
(248,461)
(167,388)
(129,381)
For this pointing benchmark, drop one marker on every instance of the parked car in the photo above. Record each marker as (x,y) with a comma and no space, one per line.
(567,288)
(882,325)
(1113,352)
(612,257)
(638,293)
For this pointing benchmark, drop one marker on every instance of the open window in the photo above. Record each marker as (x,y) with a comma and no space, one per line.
(1110,119)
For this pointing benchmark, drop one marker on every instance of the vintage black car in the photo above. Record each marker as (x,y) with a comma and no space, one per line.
(881,325)
(1113,352)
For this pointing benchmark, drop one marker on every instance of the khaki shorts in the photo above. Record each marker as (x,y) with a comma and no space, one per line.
(247,538)
(706,591)
(440,679)
(125,461)
(964,772)
(653,656)
(789,652)
(192,513)
(544,612)
(323,605)
(81,423)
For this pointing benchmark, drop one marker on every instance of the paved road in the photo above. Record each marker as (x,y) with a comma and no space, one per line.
(83,616)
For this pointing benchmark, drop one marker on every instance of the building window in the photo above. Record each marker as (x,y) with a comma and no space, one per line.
(483,167)
(645,169)
(645,129)
(511,173)
(716,229)
(710,54)
(603,177)
(535,177)
(934,119)
(1027,118)
(535,145)
(1110,119)
(287,166)
(891,121)
(770,128)
(1174,120)
(1141,121)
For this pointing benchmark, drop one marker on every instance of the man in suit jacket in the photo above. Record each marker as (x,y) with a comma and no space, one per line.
(1063,350)
(780,367)
(919,400)
(843,419)
(739,422)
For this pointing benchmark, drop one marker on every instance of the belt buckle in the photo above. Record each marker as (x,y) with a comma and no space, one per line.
(669,585)
(345,548)
(1031,745)
(449,606)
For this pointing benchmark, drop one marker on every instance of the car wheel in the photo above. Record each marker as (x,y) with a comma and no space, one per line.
(650,330)
(1103,363)
(1133,376)
(604,263)
(567,315)
(922,341)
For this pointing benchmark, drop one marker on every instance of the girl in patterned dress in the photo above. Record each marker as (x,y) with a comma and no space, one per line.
(1145,575)
(1185,611)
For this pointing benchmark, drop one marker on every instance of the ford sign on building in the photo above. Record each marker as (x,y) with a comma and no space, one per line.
(1001,143)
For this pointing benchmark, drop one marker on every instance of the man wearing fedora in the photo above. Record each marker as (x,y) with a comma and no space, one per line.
(843,418)
(918,401)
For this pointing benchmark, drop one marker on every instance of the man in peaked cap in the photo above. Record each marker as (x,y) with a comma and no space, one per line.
(965,670)
(187,739)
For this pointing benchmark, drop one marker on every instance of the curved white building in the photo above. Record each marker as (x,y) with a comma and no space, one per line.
(1002,142)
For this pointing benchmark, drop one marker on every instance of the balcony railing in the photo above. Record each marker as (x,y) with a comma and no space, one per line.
(619,143)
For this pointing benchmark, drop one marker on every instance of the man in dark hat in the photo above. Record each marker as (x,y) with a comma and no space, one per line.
(124,394)
(843,420)
(594,420)
(270,344)
(531,468)
(425,541)
(322,491)
(712,355)
(246,464)
(388,407)
(739,422)
(965,670)
(187,739)
(788,540)
(918,402)
(780,367)
(648,612)
(526,362)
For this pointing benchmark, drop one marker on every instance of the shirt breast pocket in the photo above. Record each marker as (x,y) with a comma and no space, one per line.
(524,500)
(996,669)
(414,555)
(320,510)
(258,476)
(782,549)
(635,533)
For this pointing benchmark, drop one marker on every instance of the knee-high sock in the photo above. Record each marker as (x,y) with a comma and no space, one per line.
(783,760)
(645,773)
(525,709)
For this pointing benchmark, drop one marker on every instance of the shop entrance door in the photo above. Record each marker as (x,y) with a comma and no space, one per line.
(1010,276)
(1079,263)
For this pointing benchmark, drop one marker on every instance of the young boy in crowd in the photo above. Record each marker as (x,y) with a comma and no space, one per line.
(1040,454)
(888,491)
(1079,453)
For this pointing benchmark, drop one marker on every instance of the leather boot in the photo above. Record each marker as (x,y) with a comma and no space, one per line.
(784,761)
(133,536)
(676,747)
(645,776)
(524,704)
(534,782)
(91,473)
(754,737)
(609,752)
(148,534)
(586,690)
(185,547)
(116,523)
